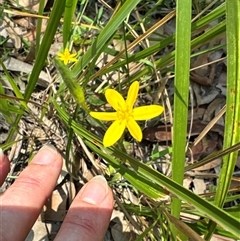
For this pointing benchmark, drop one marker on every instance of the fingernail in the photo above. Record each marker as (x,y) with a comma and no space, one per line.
(46,155)
(95,190)
(49,146)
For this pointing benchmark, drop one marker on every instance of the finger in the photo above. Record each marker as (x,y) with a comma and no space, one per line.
(4,167)
(89,215)
(23,201)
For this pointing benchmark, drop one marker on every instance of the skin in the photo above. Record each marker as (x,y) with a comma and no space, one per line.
(87,219)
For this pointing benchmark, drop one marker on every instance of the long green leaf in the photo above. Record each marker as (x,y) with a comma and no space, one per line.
(182,68)
(231,132)
(68,16)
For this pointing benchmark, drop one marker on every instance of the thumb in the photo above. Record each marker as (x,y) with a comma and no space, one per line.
(89,215)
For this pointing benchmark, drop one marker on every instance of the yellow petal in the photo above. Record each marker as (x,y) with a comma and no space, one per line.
(115,99)
(66,52)
(134,129)
(114,133)
(62,58)
(106,116)
(72,58)
(60,55)
(147,112)
(65,61)
(132,94)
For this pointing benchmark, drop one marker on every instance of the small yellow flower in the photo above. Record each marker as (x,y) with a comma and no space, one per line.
(67,57)
(125,115)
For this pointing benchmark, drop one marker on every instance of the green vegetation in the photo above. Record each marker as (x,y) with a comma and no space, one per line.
(115,46)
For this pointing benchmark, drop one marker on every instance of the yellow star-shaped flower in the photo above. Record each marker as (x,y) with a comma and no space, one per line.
(125,115)
(67,57)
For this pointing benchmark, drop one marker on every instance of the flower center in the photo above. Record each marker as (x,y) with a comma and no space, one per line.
(124,112)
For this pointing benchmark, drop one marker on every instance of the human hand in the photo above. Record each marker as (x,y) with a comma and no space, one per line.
(89,214)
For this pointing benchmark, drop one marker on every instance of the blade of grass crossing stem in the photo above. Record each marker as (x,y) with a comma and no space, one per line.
(105,35)
(232,121)
(182,67)
(68,16)
(41,57)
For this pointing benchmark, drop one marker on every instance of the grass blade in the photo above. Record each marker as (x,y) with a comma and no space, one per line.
(231,132)
(182,63)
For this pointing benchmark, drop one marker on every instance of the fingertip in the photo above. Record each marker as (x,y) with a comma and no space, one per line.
(49,147)
(89,215)
(47,155)
(95,191)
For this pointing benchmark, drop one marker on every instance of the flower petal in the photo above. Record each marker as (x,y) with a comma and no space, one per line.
(65,61)
(147,112)
(66,52)
(132,94)
(60,55)
(134,129)
(115,99)
(106,116)
(72,58)
(114,133)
